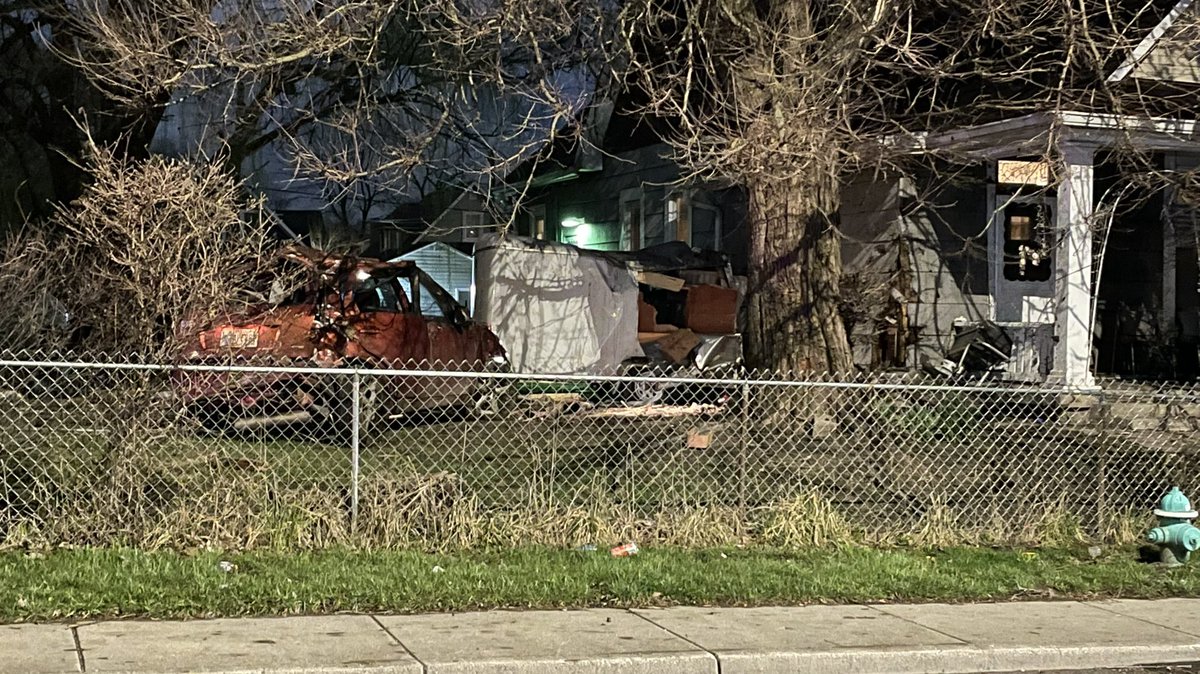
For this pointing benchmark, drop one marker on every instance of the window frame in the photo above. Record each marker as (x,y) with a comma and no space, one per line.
(1035,204)
(403,302)
(636,196)
(676,227)
(472,232)
(717,230)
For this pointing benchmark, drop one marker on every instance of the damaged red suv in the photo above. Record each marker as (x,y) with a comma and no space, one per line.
(327,310)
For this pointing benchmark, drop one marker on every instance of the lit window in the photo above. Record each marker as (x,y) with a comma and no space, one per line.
(474,224)
(1026,242)
(537,222)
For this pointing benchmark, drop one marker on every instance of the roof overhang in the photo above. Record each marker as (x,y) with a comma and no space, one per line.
(1041,133)
(410,255)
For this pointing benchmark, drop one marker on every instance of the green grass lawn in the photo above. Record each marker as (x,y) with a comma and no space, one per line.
(88,583)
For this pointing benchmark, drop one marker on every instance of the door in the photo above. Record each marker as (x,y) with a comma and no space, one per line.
(389,333)
(453,342)
(1021,247)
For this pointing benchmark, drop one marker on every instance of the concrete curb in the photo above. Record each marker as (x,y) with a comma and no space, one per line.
(961,660)
(691,663)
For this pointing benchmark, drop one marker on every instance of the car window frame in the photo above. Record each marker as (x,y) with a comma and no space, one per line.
(403,301)
(452,311)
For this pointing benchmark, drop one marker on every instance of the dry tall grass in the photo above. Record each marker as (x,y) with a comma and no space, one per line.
(216,505)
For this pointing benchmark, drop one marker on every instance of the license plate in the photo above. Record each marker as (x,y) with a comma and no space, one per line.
(239,338)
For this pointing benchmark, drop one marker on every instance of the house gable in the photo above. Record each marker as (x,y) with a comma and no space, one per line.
(1168,52)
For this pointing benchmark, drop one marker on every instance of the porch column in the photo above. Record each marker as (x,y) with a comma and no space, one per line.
(1073,288)
(1166,312)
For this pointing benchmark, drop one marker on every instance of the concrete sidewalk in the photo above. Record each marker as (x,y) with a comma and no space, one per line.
(880,638)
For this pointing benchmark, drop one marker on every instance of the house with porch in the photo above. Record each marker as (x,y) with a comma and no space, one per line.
(1040,226)
(1038,243)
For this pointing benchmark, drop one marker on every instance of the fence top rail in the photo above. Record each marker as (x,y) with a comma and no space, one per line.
(739,379)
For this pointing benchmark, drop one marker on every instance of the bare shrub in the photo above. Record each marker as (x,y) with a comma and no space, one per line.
(35,317)
(151,243)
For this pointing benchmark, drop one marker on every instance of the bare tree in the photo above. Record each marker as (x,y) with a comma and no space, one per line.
(374,96)
(38,96)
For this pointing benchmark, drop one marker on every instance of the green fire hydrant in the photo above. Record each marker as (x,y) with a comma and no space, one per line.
(1175,532)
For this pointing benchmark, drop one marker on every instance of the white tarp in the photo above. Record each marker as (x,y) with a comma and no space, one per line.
(556,311)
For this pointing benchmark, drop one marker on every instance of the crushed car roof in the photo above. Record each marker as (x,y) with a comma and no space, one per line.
(332,263)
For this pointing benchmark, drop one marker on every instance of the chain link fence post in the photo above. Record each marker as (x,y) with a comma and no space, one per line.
(743,514)
(355,428)
(1103,515)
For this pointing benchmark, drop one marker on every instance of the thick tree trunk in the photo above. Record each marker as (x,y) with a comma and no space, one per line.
(795,266)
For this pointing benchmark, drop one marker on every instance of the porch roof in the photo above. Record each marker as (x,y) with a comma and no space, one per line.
(1038,133)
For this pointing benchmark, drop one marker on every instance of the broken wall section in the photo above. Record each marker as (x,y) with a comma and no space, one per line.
(915,258)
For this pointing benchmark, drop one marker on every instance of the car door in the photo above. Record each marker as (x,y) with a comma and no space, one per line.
(389,332)
(452,344)
(387,328)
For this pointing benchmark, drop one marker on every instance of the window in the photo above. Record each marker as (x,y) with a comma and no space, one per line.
(379,295)
(674,221)
(679,220)
(436,302)
(1027,245)
(653,207)
(390,238)
(706,227)
(430,307)
(408,289)
(631,220)
(690,221)
(431,300)
(537,221)
(463,295)
(474,224)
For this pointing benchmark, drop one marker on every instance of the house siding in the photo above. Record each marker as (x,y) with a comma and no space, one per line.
(596,198)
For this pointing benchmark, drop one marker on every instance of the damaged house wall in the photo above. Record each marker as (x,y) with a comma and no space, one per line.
(945,222)
(915,255)
(870,260)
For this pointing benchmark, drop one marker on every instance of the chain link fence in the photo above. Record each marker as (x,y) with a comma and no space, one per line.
(151,455)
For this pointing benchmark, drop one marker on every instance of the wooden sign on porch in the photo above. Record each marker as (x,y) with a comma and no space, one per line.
(1014,172)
